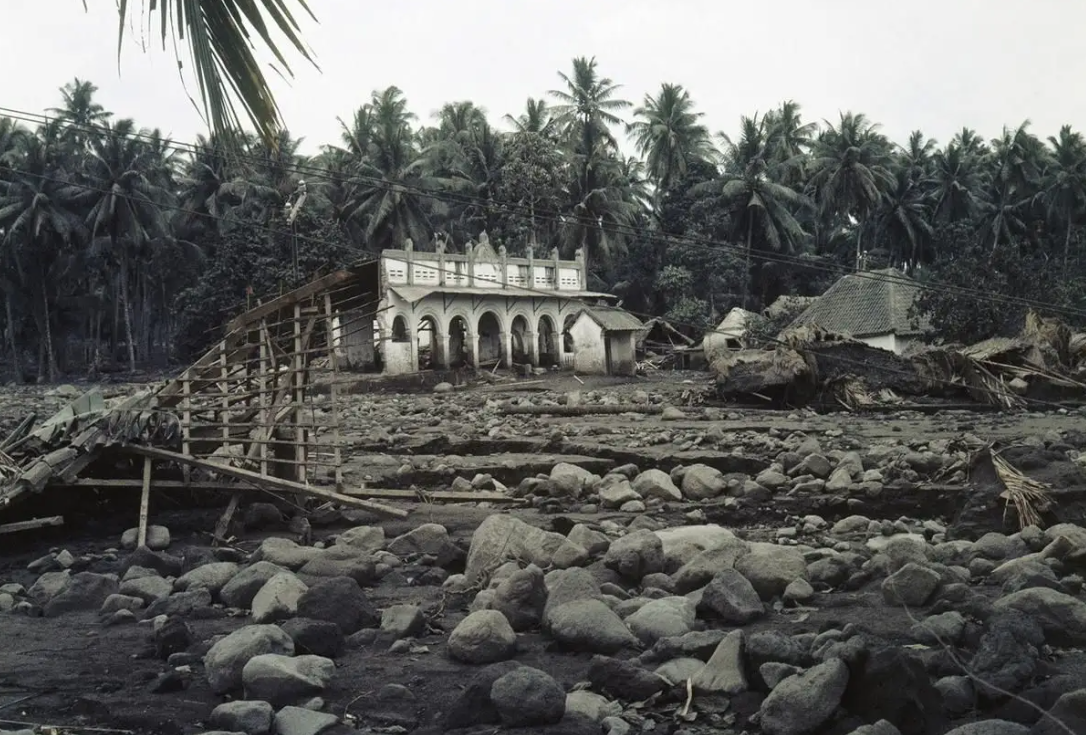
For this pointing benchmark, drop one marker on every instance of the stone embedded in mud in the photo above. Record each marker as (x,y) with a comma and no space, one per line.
(723,673)
(250,717)
(431,539)
(635,555)
(591,541)
(912,586)
(85,591)
(624,680)
(366,538)
(667,617)
(212,577)
(614,494)
(318,637)
(502,536)
(656,484)
(226,659)
(278,598)
(286,553)
(474,706)
(242,588)
(570,480)
(148,588)
(483,637)
(402,621)
(303,721)
(731,598)
(771,568)
(803,702)
(341,601)
(1061,616)
(183,604)
(527,696)
(158,538)
(521,597)
(280,679)
(702,482)
(589,625)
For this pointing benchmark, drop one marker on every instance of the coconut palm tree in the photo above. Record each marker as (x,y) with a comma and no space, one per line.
(667,132)
(220,34)
(850,171)
(763,208)
(124,194)
(1065,187)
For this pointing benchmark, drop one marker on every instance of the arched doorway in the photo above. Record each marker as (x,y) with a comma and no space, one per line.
(399,330)
(428,337)
(459,347)
(490,339)
(518,333)
(548,342)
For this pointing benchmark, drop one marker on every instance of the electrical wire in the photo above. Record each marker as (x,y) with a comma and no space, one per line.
(541,292)
(553,217)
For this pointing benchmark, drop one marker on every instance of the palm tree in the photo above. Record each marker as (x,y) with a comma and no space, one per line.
(536,118)
(595,194)
(904,217)
(955,183)
(849,171)
(788,140)
(667,133)
(387,199)
(81,115)
(588,105)
(1065,190)
(219,35)
(763,207)
(39,219)
(124,198)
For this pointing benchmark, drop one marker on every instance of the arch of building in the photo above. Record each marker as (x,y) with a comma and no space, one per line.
(485,335)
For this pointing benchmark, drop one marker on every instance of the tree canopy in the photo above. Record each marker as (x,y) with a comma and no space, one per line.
(120,248)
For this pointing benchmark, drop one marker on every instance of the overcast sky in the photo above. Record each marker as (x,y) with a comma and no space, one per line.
(936,65)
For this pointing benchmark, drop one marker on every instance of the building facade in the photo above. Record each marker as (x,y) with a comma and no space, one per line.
(480,308)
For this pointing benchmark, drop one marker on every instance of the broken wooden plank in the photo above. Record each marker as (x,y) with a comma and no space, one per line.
(581,410)
(31,525)
(448,496)
(266,481)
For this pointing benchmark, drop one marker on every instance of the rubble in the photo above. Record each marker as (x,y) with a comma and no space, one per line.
(710,570)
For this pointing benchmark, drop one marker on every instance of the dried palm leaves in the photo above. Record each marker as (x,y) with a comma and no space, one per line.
(1030,497)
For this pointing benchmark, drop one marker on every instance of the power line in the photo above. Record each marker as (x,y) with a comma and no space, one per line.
(554,294)
(559,218)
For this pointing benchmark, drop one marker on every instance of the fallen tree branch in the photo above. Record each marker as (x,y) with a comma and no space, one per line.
(581,410)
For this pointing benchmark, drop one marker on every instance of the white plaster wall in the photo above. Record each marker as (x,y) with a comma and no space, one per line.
(623,353)
(882,341)
(589,356)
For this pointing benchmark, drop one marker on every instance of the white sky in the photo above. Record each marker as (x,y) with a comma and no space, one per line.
(936,65)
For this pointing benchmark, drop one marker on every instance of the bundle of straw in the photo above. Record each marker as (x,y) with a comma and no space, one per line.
(1030,497)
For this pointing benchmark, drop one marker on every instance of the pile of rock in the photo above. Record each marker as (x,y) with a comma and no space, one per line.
(659,610)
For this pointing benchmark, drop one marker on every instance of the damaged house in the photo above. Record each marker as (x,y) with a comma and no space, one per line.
(478,308)
(604,341)
(872,307)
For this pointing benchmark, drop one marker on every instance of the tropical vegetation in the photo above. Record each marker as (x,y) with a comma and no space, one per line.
(120,249)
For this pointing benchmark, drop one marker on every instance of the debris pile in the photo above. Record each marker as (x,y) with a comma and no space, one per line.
(1045,363)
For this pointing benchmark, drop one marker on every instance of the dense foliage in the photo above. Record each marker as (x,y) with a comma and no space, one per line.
(119,248)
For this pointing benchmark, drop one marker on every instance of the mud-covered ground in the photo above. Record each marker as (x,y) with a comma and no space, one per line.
(74,670)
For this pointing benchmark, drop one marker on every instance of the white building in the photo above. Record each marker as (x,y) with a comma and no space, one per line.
(447,310)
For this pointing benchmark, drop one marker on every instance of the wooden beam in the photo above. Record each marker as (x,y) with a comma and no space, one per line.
(32,524)
(290,298)
(145,503)
(266,481)
(450,496)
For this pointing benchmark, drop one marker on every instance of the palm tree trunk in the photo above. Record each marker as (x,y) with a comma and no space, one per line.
(747,276)
(12,342)
(1067,244)
(127,311)
(50,353)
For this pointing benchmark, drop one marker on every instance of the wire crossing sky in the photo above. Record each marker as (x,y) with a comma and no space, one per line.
(936,65)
